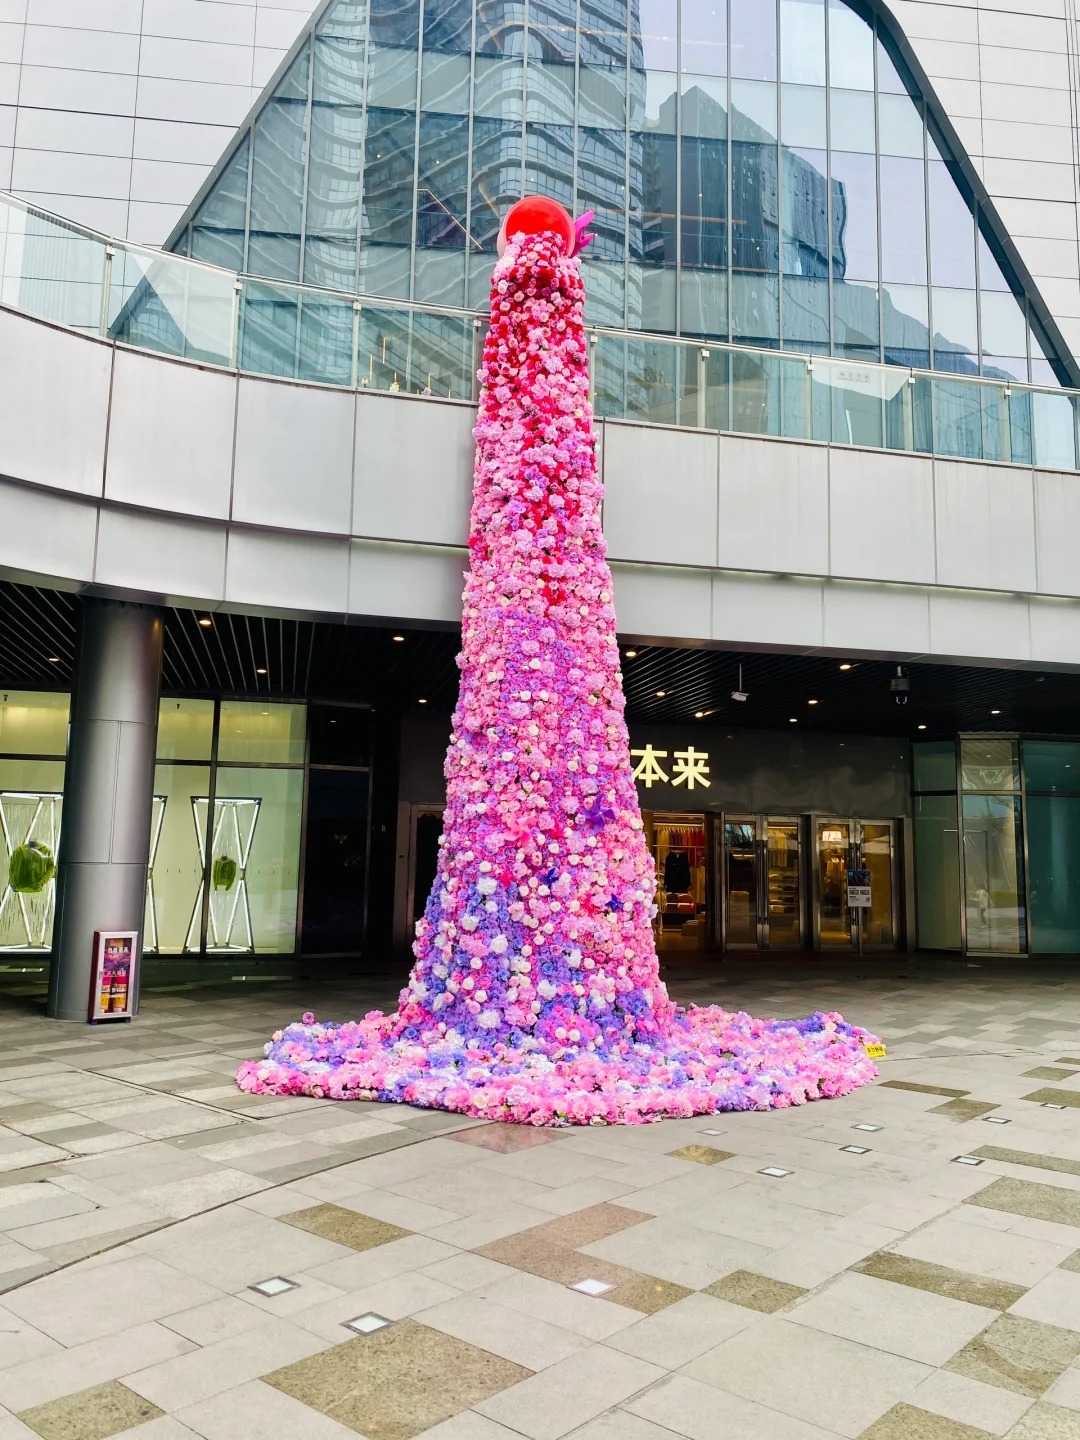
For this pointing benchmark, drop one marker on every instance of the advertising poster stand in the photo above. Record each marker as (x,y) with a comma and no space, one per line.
(113,987)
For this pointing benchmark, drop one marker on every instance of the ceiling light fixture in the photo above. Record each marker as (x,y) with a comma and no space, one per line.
(205,621)
(261,670)
(421,702)
(699,714)
(811,702)
(397,638)
(793,721)
(847,665)
(995,712)
(54,659)
(660,694)
(922,727)
(631,654)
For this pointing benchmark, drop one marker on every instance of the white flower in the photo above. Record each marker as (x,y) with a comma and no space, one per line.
(469,922)
(499,945)
(486,885)
(546,990)
(488,1019)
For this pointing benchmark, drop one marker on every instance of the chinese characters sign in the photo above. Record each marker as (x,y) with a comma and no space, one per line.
(689,767)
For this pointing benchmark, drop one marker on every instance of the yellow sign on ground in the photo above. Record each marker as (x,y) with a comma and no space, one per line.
(876,1052)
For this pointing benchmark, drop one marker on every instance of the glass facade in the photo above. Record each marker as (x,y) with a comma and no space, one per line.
(764,173)
(33,742)
(997,859)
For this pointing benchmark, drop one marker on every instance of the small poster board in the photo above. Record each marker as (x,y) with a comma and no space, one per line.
(112,980)
(858,889)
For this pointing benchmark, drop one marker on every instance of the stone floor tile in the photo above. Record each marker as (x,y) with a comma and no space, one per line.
(972,1402)
(594,1317)
(216,1320)
(941,1280)
(646,1293)
(408,1215)
(1031,1200)
(468,1189)
(908,1422)
(895,1318)
(701,1154)
(95,1362)
(467,1272)
(469,1426)
(922,1089)
(358,1270)
(257,1409)
(472,1232)
(1046,1422)
(1020,1355)
(1030,1158)
(93,1414)
(73,1308)
(1047,1072)
(808,1263)
(531,1343)
(535,1255)
(506,1139)
(1065,1390)
(1001,1256)
(681,1332)
(615,1425)
(397,1382)
(167,1428)
(1050,1096)
(344,1227)
(394,1299)
(234,1247)
(680,1253)
(961,1110)
(702,1412)
(1054,1300)
(585,1227)
(756,1292)
(811,1376)
(220,1366)
(581,1194)
(21,1342)
(570,1393)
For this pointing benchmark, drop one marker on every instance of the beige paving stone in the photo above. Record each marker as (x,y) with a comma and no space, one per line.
(1030,1158)
(1050,1096)
(216,1320)
(584,1227)
(646,1293)
(615,1425)
(922,1089)
(681,1332)
(397,1382)
(1017,1354)
(469,1426)
(506,1139)
(702,1412)
(579,1195)
(1000,1255)
(73,1307)
(756,1292)
(594,1317)
(473,1231)
(957,1397)
(234,1247)
(1048,1072)
(1055,1300)
(908,1422)
(167,1428)
(1065,1390)
(467,1189)
(344,1227)
(223,1364)
(677,1252)
(941,1280)
(523,1339)
(570,1393)
(21,1342)
(408,1215)
(701,1154)
(895,1318)
(394,1299)
(1030,1199)
(83,1366)
(92,1414)
(810,1262)
(467,1272)
(358,1270)
(258,1409)
(815,1377)
(961,1110)
(1046,1422)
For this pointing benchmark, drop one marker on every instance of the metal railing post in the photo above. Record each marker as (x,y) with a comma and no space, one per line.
(702,389)
(106,289)
(234,337)
(354,369)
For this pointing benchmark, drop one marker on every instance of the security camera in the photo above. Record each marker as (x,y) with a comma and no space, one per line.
(900,685)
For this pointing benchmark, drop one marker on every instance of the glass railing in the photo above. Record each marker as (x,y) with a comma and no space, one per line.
(138,296)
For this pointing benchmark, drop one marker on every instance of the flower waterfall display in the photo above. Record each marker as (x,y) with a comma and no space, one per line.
(536,995)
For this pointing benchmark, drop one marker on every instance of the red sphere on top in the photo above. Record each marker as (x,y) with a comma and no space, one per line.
(534,215)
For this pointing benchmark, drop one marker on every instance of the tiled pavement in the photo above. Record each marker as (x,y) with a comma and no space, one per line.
(878,1289)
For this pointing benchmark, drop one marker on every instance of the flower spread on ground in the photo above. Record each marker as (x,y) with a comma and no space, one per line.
(536,996)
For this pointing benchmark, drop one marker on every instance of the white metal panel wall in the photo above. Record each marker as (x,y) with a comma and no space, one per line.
(112,112)
(1007,73)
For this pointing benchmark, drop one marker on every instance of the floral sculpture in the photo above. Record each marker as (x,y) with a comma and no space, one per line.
(536,995)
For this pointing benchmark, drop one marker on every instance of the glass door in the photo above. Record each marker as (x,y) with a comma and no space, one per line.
(762,883)
(741,919)
(877,854)
(834,924)
(679,846)
(783,911)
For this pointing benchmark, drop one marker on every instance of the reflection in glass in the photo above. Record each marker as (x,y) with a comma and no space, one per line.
(952,232)
(1052,766)
(852,118)
(335,868)
(878,928)
(34,722)
(989,764)
(956,332)
(905,312)
(257,830)
(657,30)
(802,117)
(855,247)
(1053,848)
(934,765)
(179,859)
(704,37)
(255,730)
(753,40)
(903,221)
(31,812)
(782,850)
(937,872)
(704,106)
(802,36)
(741,899)
(851,49)
(835,920)
(994,899)
(900,127)
(185,729)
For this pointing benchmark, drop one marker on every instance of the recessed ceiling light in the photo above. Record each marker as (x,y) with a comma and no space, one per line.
(995,712)
(811,702)
(792,721)
(631,654)
(847,665)
(260,670)
(660,694)
(205,621)
(699,714)
(421,702)
(922,727)
(54,659)
(398,638)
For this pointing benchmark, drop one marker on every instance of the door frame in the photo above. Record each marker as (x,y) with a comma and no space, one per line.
(856,840)
(761,823)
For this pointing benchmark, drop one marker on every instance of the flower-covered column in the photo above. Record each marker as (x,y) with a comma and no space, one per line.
(536,993)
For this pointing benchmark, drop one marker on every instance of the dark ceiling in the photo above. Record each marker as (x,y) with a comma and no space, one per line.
(365,663)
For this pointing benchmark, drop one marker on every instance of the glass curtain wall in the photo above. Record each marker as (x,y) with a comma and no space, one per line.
(226,828)
(33,743)
(762,171)
(997,856)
